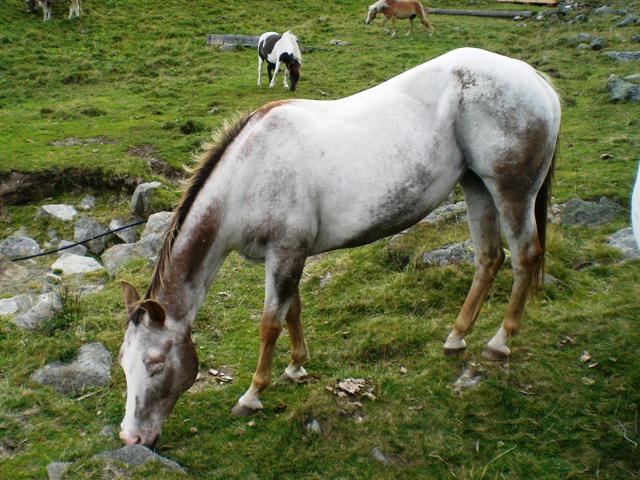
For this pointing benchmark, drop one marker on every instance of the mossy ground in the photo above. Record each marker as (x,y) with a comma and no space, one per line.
(135,73)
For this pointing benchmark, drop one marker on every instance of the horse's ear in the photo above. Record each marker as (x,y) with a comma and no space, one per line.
(131,296)
(156,313)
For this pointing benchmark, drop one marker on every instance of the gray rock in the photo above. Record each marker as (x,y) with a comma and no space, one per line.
(128,235)
(449,212)
(580,18)
(141,199)
(313,426)
(134,455)
(326,278)
(87,203)
(634,77)
(11,273)
(153,235)
(52,235)
(607,10)
(56,470)
(72,264)
(624,56)
(19,246)
(624,241)
(597,44)
(92,367)
(379,456)
(108,431)
(339,43)
(583,46)
(623,91)
(635,38)
(16,305)
(86,227)
(46,306)
(470,376)
(62,212)
(118,255)
(583,213)
(450,254)
(77,249)
(628,21)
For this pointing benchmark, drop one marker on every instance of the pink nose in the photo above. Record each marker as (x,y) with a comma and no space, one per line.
(135,440)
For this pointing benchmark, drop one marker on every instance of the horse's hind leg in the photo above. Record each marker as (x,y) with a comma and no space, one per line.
(516,207)
(410,27)
(484,225)
(283,271)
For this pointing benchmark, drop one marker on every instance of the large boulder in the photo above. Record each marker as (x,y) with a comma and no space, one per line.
(11,273)
(142,197)
(92,367)
(61,212)
(19,246)
(86,227)
(448,212)
(46,306)
(577,212)
(624,241)
(77,249)
(72,264)
(127,235)
(16,305)
(621,90)
(450,254)
(153,235)
(116,256)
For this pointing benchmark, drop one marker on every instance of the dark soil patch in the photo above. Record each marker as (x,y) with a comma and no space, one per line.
(18,188)
(156,164)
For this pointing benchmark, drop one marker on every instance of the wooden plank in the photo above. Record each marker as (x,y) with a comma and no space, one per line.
(482,13)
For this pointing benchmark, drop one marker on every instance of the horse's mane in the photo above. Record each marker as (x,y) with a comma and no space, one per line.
(294,44)
(206,163)
(379,5)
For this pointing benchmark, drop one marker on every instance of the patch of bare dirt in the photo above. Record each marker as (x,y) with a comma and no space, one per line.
(156,164)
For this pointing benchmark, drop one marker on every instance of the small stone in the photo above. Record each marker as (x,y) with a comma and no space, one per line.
(583,46)
(518,18)
(313,426)
(606,156)
(450,254)
(470,376)
(92,367)
(621,90)
(193,430)
(214,372)
(581,18)
(72,264)
(127,235)
(597,44)
(635,38)
(251,423)
(76,249)
(624,56)
(57,470)
(45,307)
(87,203)
(339,43)
(19,246)
(134,455)
(588,380)
(107,431)
(11,273)
(141,198)
(379,456)
(61,212)
(403,370)
(607,10)
(585,357)
(455,212)
(629,20)
(624,241)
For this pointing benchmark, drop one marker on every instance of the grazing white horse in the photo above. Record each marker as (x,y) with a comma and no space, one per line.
(635,209)
(299,177)
(276,49)
(74,8)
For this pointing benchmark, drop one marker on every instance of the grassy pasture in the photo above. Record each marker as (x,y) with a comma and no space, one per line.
(136,74)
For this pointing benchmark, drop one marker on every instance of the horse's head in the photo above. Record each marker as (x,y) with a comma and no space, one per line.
(293,66)
(374,10)
(31,5)
(159,362)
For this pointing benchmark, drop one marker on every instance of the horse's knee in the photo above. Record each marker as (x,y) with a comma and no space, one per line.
(488,264)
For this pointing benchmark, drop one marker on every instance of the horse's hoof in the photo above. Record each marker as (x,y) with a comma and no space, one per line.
(494,355)
(450,352)
(241,411)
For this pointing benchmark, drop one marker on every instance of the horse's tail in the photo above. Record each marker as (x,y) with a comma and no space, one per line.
(543,199)
(422,14)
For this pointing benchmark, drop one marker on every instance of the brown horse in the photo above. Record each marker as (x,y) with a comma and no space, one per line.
(297,178)
(392,9)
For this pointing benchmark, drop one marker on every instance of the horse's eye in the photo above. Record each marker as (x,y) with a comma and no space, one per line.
(154,365)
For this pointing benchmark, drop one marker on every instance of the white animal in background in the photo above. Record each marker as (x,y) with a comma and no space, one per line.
(635,209)
(46,5)
(276,49)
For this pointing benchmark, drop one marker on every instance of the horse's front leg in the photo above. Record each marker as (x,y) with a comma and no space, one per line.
(272,83)
(410,27)
(393,26)
(299,352)
(283,271)
(384,22)
(286,77)
(259,70)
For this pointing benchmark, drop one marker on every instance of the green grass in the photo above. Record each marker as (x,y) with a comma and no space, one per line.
(135,74)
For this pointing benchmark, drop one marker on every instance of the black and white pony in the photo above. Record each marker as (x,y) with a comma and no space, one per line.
(276,49)
(75,9)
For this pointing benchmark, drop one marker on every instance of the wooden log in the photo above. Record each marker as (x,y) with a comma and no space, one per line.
(482,13)
(244,40)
